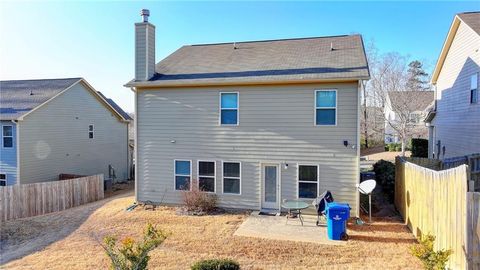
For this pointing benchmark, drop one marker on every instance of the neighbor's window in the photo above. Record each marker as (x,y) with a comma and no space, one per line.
(90,131)
(231,177)
(3,179)
(206,176)
(474,88)
(325,107)
(307,181)
(415,118)
(229,108)
(183,174)
(7,135)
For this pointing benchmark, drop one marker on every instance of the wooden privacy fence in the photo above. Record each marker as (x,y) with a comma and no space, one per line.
(437,203)
(19,201)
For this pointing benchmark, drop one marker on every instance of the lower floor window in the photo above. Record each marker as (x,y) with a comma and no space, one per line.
(206,176)
(183,174)
(3,179)
(307,181)
(231,177)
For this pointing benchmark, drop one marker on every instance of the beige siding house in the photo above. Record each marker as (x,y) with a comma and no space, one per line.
(253,122)
(454,123)
(64,126)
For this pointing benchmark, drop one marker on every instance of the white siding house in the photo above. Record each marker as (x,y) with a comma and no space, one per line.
(455,120)
(64,126)
(406,107)
(254,122)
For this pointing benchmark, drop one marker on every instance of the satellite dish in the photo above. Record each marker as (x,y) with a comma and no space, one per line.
(366,187)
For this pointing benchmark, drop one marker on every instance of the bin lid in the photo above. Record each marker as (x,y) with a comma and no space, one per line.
(338,206)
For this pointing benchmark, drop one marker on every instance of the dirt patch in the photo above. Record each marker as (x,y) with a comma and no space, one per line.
(119,188)
(69,240)
(390,156)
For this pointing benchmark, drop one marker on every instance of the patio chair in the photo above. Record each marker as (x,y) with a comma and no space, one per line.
(320,204)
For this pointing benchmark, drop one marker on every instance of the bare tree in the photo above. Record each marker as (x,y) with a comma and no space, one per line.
(387,89)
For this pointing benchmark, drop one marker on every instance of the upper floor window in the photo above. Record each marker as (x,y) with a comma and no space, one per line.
(7,135)
(229,108)
(474,88)
(183,174)
(415,118)
(3,179)
(90,131)
(206,176)
(325,107)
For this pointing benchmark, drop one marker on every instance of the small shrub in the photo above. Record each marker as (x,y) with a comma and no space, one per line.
(197,201)
(132,255)
(385,176)
(391,147)
(432,260)
(419,148)
(398,147)
(216,264)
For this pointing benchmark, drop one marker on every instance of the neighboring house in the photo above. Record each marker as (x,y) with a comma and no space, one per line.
(406,108)
(56,126)
(454,122)
(254,122)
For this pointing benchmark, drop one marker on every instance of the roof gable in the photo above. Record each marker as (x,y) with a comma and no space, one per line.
(18,98)
(472,20)
(322,58)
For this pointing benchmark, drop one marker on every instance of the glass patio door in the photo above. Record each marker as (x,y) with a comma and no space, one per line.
(270,179)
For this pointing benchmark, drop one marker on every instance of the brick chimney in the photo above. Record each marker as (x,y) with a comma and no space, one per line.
(144,48)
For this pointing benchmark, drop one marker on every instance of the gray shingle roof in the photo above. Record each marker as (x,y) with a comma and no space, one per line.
(18,97)
(420,100)
(472,19)
(265,61)
(115,107)
(21,96)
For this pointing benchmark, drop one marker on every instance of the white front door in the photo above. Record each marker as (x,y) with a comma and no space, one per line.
(270,186)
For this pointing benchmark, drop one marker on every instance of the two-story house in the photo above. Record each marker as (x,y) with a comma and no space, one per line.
(60,126)
(253,122)
(454,123)
(405,111)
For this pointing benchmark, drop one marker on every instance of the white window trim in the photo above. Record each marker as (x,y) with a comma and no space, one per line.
(220,108)
(3,136)
(240,178)
(175,175)
(299,181)
(92,131)
(6,179)
(214,175)
(315,107)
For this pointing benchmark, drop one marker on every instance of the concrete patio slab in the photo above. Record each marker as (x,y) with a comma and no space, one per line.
(276,228)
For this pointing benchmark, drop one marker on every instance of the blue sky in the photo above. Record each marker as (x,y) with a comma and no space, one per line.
(94,40)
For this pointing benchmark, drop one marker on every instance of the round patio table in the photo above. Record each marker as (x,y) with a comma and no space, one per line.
(295,207)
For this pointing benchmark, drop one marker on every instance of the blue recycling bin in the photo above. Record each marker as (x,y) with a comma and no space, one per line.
(337,216)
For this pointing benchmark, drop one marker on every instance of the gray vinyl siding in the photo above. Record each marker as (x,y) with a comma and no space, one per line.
(144,51)
(8,156)
(457,123)
(276,125)
(54,138)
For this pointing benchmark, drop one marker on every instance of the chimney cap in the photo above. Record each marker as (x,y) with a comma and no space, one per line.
(145,13)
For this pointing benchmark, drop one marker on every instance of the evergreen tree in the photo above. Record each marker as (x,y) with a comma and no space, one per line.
(417,77)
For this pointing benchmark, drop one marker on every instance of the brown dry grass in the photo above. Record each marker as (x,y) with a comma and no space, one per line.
(68,240)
